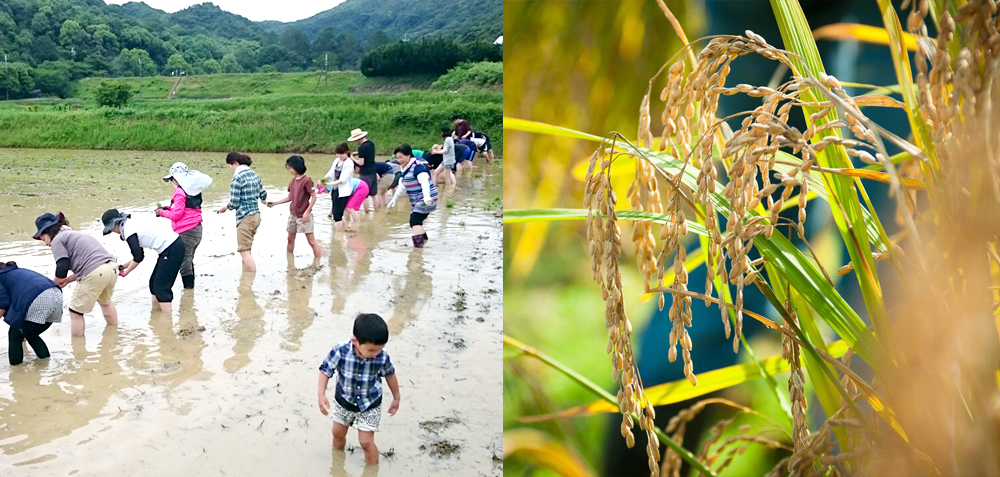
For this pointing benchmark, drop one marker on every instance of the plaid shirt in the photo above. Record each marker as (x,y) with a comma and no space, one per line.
(244,192)
(359,380)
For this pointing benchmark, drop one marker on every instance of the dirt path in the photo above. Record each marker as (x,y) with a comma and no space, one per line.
(227,385)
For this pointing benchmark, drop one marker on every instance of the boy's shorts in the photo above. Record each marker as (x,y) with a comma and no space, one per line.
(297,226)
(97,286)
(362,421)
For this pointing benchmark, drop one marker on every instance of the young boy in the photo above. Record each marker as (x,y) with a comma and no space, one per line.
(360,364)
(302,195)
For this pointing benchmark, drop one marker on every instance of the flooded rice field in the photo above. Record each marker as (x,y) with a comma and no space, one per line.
(226,384)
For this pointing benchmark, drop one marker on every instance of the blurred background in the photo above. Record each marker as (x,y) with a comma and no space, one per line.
(585,65)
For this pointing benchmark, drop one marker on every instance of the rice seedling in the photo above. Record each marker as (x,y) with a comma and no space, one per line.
(918,412)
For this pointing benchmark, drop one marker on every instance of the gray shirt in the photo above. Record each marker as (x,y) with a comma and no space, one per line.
(448,152)
(85,253)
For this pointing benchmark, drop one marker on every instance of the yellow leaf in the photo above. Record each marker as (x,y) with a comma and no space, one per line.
(538,448)
(865,33)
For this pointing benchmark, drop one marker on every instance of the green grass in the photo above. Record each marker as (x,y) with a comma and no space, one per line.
(257,84)
(269,123)
(483,74)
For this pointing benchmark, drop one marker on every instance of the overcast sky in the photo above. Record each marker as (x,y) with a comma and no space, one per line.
(283,10)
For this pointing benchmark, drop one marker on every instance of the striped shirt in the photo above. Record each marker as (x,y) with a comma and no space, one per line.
(244,192)
(359,380)
(415,192)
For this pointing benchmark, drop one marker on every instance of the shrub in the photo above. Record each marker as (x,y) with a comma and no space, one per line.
(113,94)
(428,56)
(471,75)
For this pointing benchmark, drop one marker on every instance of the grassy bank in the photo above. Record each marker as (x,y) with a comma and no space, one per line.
(272,123)
(258,84)
(264,112)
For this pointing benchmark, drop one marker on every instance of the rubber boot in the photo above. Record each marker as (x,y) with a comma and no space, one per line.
(188,281)
(418,241)
(424,235)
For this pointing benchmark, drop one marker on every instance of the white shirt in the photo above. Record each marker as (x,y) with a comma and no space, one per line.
(153,234)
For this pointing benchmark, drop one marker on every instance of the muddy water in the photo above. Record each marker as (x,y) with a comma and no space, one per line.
(227,383)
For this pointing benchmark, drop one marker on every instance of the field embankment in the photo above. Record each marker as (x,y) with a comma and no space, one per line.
(252,112)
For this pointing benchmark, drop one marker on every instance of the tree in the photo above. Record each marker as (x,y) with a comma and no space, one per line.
(230,65)
(376,39)
(128,61)
(53,77)
(211,66)
(274,54)
(296,41)
(348,50)
(44,49)
(72,35)
(177,62)
(16,80)
(245,52)
(113,93)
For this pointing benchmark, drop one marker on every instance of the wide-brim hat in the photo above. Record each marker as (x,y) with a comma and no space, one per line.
(357,134)
(112,217)
(193,182)
(45,221)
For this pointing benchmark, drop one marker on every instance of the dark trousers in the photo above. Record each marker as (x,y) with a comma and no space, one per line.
(191,239)
(165,272)
(339,205)
(26,331)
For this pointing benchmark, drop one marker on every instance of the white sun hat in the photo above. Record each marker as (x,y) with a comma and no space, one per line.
(193,182)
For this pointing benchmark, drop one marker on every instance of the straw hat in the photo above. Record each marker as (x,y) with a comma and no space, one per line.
(357,134)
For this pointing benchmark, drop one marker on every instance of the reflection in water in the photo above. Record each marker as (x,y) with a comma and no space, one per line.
(416,290)
(249,325)
(300,314)
(181,351)
(346,272)
(75,392)
(338,464)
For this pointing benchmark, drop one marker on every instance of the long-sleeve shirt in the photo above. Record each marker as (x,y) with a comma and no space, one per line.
(181,217)
(244,193)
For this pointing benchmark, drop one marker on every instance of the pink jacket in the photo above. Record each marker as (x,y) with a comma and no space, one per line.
(182,218)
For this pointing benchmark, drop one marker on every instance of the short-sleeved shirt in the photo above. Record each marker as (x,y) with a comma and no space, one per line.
(359,380)
(448,152)
(151,233)
(300,189)
(366,151)
(383,168)
(85,252)
(461,129)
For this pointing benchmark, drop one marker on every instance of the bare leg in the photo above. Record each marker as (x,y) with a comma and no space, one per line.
(339,436)
(110,314)
(291,242)
(76,324)
(165,306)
(248,263)
(418,229)
(367,439)
(317,249)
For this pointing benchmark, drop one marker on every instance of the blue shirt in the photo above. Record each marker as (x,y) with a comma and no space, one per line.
(18,288)
(359,380)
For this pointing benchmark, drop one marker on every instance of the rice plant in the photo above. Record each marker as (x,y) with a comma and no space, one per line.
(930,404)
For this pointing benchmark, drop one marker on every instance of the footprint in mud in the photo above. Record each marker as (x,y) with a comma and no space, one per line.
(441,449)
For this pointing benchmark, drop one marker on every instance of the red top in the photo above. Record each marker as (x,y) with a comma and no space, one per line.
(462,129)
(301,191)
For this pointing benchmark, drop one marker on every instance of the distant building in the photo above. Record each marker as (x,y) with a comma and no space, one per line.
(499,40)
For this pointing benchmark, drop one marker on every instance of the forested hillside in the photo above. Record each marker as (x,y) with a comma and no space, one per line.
(50,43)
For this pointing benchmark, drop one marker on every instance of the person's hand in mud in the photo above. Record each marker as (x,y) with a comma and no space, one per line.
(222,210)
